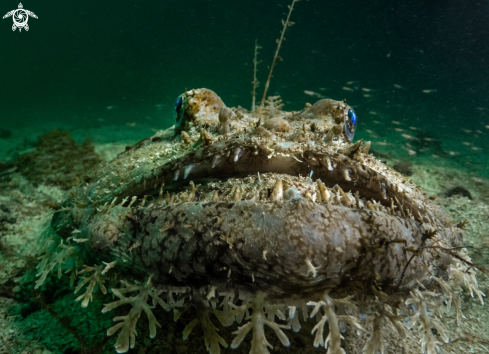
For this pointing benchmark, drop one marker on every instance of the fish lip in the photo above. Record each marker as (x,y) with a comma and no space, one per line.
(240,159)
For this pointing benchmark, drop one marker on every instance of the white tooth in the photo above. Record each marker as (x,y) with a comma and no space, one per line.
(177,172)
(309,179)
(215,160)
(237,153)
(188,168)
(346,174)
(384,190)
(278,192)
(325,195)
(328,163)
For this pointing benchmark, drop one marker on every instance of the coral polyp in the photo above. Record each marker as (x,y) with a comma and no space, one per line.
(275,215)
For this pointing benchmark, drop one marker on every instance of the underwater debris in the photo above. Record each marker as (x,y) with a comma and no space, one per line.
(58,160)
(405,167)
(424,143)
(287,23)
(459,190)
(255,81)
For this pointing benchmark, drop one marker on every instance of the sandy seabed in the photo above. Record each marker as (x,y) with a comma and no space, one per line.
(51,322)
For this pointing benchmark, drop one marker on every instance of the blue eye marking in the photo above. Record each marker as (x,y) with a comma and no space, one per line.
(350,124)
(352,116)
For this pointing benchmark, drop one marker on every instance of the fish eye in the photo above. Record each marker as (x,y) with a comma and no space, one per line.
(350,124)
(179,109)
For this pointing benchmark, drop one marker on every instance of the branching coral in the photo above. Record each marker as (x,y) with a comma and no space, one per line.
(425,322)
(460,276)
(294,321)
(51,258)
(376,342)
(258,320)
(467,279)
(333,340)
(211,338)
(127,336)
(424,308)
(92,280)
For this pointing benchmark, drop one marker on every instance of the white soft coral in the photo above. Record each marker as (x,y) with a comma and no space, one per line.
(257,323)
(127,336)
(51,258)
(92,280)
(425,322)
(333,340)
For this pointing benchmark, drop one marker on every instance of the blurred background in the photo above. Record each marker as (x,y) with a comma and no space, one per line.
(415,71)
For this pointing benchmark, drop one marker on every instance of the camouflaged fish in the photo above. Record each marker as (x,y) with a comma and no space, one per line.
(268,212)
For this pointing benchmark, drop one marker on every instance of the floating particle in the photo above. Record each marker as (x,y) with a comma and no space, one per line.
(347,88)
(376,121)
(409,151)
(466,143)
(476,148)
(375,113)
(398,130)
(407,136)
(399,86)
(429,91)
(369,131)
(366,89)
(413,128)
(396,122)
(312,93)
(131,124)
(467,131)
(366,95)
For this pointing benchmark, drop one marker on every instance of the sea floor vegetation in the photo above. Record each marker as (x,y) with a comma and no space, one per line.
(32,321)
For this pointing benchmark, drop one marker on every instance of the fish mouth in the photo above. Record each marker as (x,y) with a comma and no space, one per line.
(239,180)
(322,155)
(320,175)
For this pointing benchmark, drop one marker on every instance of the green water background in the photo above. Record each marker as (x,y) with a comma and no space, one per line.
(92,63)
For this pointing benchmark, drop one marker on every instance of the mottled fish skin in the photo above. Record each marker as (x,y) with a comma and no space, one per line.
(296,248)
(285,248)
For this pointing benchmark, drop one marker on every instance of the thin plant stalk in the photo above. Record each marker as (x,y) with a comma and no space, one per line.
(255,81)
(286,24)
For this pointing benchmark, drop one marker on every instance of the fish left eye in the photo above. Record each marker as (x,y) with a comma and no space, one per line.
(179,109)
(350,124)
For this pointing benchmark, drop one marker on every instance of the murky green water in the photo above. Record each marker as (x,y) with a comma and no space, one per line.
(416,73)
